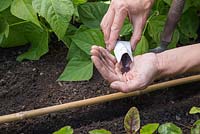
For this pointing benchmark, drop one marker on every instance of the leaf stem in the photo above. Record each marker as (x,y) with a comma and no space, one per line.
(18,23)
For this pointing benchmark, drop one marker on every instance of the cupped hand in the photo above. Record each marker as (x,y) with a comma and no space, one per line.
(143,70)
(112,22)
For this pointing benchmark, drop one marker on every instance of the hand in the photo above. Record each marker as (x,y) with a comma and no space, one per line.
(143,70)
(112,22)
(106,64)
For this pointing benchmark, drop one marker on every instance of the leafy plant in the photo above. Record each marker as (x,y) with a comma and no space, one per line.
(77,24)
(196,127)
(99,131)
(65,130)
(169,128)
(132,126)
(194,110)
(149,128)
(132,121)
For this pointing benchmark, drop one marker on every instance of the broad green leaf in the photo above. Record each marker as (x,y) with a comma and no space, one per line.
(169,128)
(4,29)
(149,128)
(161,7)
(23,9)
(58,14)
(169,2)
(39,42)
(132,121)
(175,39)
(142,47)
(126,29)
(78,2)
(196,128)
(16,36)
(187,5)
(70,32)
(155,28)
(65,130)
(189,23)
(99,131)
(84,40)
(4,4)
(92,13)
(77,70)
(194,110)
(75,51)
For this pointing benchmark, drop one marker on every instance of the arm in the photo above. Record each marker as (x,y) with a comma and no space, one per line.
(179,60)
(147,67)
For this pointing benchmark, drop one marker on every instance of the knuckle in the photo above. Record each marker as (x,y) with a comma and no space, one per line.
(115,27)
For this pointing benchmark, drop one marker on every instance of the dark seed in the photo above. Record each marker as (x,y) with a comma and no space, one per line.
(126,61)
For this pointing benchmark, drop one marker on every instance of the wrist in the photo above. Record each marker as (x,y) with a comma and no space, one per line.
(161,65)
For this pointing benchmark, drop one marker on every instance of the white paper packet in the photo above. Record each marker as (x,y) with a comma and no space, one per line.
(121,48)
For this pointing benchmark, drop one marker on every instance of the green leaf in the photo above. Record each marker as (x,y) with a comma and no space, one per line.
(189,26)
(4,29)
(142,47)
(156,26)
(23,9)
(99,131)
(132,121)
(194,110)
(39,42)
(169,2)
(77,70)
(4,4)
(169,128)
(75,51)
(84,40)
(78,2)
(65,130)
(196,128)
(16,36)
(149,128)
(175,39)
(58,14)
(70,31)
(126,29)
(92,13)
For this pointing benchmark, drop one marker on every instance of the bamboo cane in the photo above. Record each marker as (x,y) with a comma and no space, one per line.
(95,100)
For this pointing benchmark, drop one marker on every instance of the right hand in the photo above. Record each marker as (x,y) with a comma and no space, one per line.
(112,22)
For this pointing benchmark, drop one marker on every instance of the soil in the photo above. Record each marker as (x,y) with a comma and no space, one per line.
(32,84)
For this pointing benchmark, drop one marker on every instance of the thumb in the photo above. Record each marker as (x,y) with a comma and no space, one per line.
(121,86)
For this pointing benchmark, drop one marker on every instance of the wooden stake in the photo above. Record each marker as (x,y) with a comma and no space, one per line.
(95,100)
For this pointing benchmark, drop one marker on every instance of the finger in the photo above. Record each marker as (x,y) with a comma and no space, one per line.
(109,56)
(125,86)
(105,58)
(107,22)
(105,73)
(118,22)
(118,72)
(120,86)
(139,24)
(98,51)
(94,51)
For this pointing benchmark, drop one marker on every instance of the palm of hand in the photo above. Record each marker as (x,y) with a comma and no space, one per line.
(142,70)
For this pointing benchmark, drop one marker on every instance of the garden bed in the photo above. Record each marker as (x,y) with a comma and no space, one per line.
(32,84)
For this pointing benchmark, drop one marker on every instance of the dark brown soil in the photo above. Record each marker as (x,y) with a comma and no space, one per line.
(32,84)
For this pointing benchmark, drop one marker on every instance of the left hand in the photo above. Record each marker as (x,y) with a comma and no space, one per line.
(143,70)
